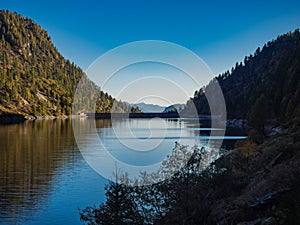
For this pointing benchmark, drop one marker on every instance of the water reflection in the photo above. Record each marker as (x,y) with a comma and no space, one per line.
(44,179)
(31,155)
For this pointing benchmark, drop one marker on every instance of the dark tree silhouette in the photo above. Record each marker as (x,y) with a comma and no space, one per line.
(119,208)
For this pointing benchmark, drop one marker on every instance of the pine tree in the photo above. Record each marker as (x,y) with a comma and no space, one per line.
(119,208)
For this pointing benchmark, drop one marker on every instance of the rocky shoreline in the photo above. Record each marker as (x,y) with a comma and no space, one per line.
(17,118)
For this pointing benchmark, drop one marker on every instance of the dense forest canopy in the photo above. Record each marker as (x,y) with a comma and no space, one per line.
(35,79)
(271,75)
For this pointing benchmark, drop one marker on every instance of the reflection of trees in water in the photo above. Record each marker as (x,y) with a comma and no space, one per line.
(103,123)
(31,154)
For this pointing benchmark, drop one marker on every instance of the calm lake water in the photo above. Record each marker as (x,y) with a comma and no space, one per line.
(44,179)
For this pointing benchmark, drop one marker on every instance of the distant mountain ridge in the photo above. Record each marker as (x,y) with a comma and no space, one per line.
(147,108)
(153,108)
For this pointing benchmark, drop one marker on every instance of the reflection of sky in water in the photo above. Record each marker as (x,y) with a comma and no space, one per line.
(158,133)
(144,141)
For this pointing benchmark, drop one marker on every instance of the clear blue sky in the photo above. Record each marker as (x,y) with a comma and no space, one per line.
(220,32)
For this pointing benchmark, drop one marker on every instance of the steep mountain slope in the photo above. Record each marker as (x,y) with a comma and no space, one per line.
(35,79)
(268,81)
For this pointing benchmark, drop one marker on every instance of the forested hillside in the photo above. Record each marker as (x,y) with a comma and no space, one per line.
(35,79)
(267,82)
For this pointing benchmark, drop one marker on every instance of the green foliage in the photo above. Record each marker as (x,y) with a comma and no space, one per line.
(135,110)
(34,75)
